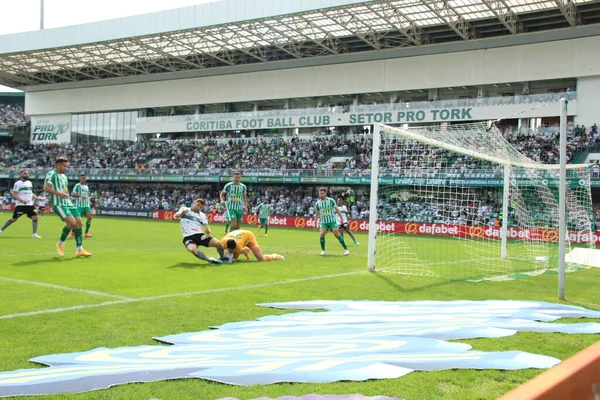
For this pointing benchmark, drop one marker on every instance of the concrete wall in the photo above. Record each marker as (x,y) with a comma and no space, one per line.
(539,61)
(588,101)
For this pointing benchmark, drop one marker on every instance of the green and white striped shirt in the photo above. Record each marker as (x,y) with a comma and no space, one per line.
(82,190)
(60,183)
(235,196)
(326,210)
(264,210)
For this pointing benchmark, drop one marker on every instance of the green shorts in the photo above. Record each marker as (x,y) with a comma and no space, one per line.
(66,211)
(263,221)
(84,210)
(329,225)
(233,215)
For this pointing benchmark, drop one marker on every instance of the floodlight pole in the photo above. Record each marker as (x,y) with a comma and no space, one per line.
(41,14)
(562,189)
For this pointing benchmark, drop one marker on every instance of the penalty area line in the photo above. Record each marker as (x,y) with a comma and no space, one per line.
(174,295)
(67,288)
(128,250)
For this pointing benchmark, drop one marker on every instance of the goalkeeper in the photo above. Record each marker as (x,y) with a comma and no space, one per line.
(241,242)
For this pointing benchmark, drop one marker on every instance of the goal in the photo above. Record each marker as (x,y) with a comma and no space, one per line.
(461,202)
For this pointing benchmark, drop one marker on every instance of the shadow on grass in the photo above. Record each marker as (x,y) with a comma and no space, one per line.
(188,265)
(53,260)
(396,286)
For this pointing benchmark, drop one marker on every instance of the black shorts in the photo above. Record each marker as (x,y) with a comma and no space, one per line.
(20,210)
(199,239)
(344,226)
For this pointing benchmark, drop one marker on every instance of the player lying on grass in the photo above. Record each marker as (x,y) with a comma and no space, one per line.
(193,221)
(242,242)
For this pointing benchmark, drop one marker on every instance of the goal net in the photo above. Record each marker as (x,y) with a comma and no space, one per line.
(461,202)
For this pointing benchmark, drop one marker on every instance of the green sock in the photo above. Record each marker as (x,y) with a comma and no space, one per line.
(87,225)
(266,229)
(78,238)
(65,234)
(323,243)
(342,242)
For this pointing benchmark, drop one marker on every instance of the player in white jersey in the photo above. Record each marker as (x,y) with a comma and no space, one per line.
(196,232)
(22,192)
(41,206)
(343,223)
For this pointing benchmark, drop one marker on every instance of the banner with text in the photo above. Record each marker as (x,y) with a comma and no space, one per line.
(124,212)
(54,128)
(304,119)
(411,228)
(7,207)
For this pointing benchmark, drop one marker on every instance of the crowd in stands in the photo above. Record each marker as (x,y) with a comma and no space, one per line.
(478,206)
(286,154)
(279,153)
(12,116)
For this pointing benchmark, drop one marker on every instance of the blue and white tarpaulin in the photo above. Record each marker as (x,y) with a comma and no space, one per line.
(352,340)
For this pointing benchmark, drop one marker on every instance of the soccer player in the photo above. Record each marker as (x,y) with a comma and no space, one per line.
(81,194)
(343,223)
(22,192)
(41,206)
(56,185)
(237,201)
(192,221)
(263,211)
(326,210)
(241,242)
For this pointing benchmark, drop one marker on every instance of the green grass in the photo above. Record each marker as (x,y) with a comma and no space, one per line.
(145,259)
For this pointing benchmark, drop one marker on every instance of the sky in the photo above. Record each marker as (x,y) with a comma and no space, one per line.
(24,15)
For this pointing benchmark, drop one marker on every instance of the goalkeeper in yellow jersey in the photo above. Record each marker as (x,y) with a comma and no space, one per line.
(242,242)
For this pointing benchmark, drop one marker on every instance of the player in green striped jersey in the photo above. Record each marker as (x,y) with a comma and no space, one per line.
(56,185)
(81,200)
(237,201)
(326,210)
(263,211)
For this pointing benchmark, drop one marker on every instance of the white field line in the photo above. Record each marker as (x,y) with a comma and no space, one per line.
(128,250)
(173,295)
(53,286)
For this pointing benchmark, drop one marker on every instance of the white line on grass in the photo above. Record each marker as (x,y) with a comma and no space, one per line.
(53,286)
(128,250)
(167,296)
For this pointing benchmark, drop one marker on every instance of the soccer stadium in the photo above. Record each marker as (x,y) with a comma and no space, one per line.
(316,199)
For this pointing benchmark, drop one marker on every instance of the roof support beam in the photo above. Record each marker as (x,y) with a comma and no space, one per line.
(166,55)
(311,25)
(392,14)
(569,11)
(451,17)
(129,53)
(505,14)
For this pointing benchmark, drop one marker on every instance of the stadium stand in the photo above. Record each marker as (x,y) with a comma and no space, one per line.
(278,153)
(12,116)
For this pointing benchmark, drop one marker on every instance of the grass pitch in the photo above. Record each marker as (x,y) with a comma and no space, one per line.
(141,283)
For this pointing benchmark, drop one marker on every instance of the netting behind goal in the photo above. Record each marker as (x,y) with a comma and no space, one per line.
(461,202)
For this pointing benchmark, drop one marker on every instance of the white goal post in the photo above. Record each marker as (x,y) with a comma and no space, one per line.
(459,201)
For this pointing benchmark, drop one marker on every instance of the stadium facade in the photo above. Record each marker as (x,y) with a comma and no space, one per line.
(294,67)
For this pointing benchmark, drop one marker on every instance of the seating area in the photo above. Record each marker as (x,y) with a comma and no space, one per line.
(278,153)
(12,116)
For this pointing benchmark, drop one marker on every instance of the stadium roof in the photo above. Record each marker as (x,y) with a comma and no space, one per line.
(244,32)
